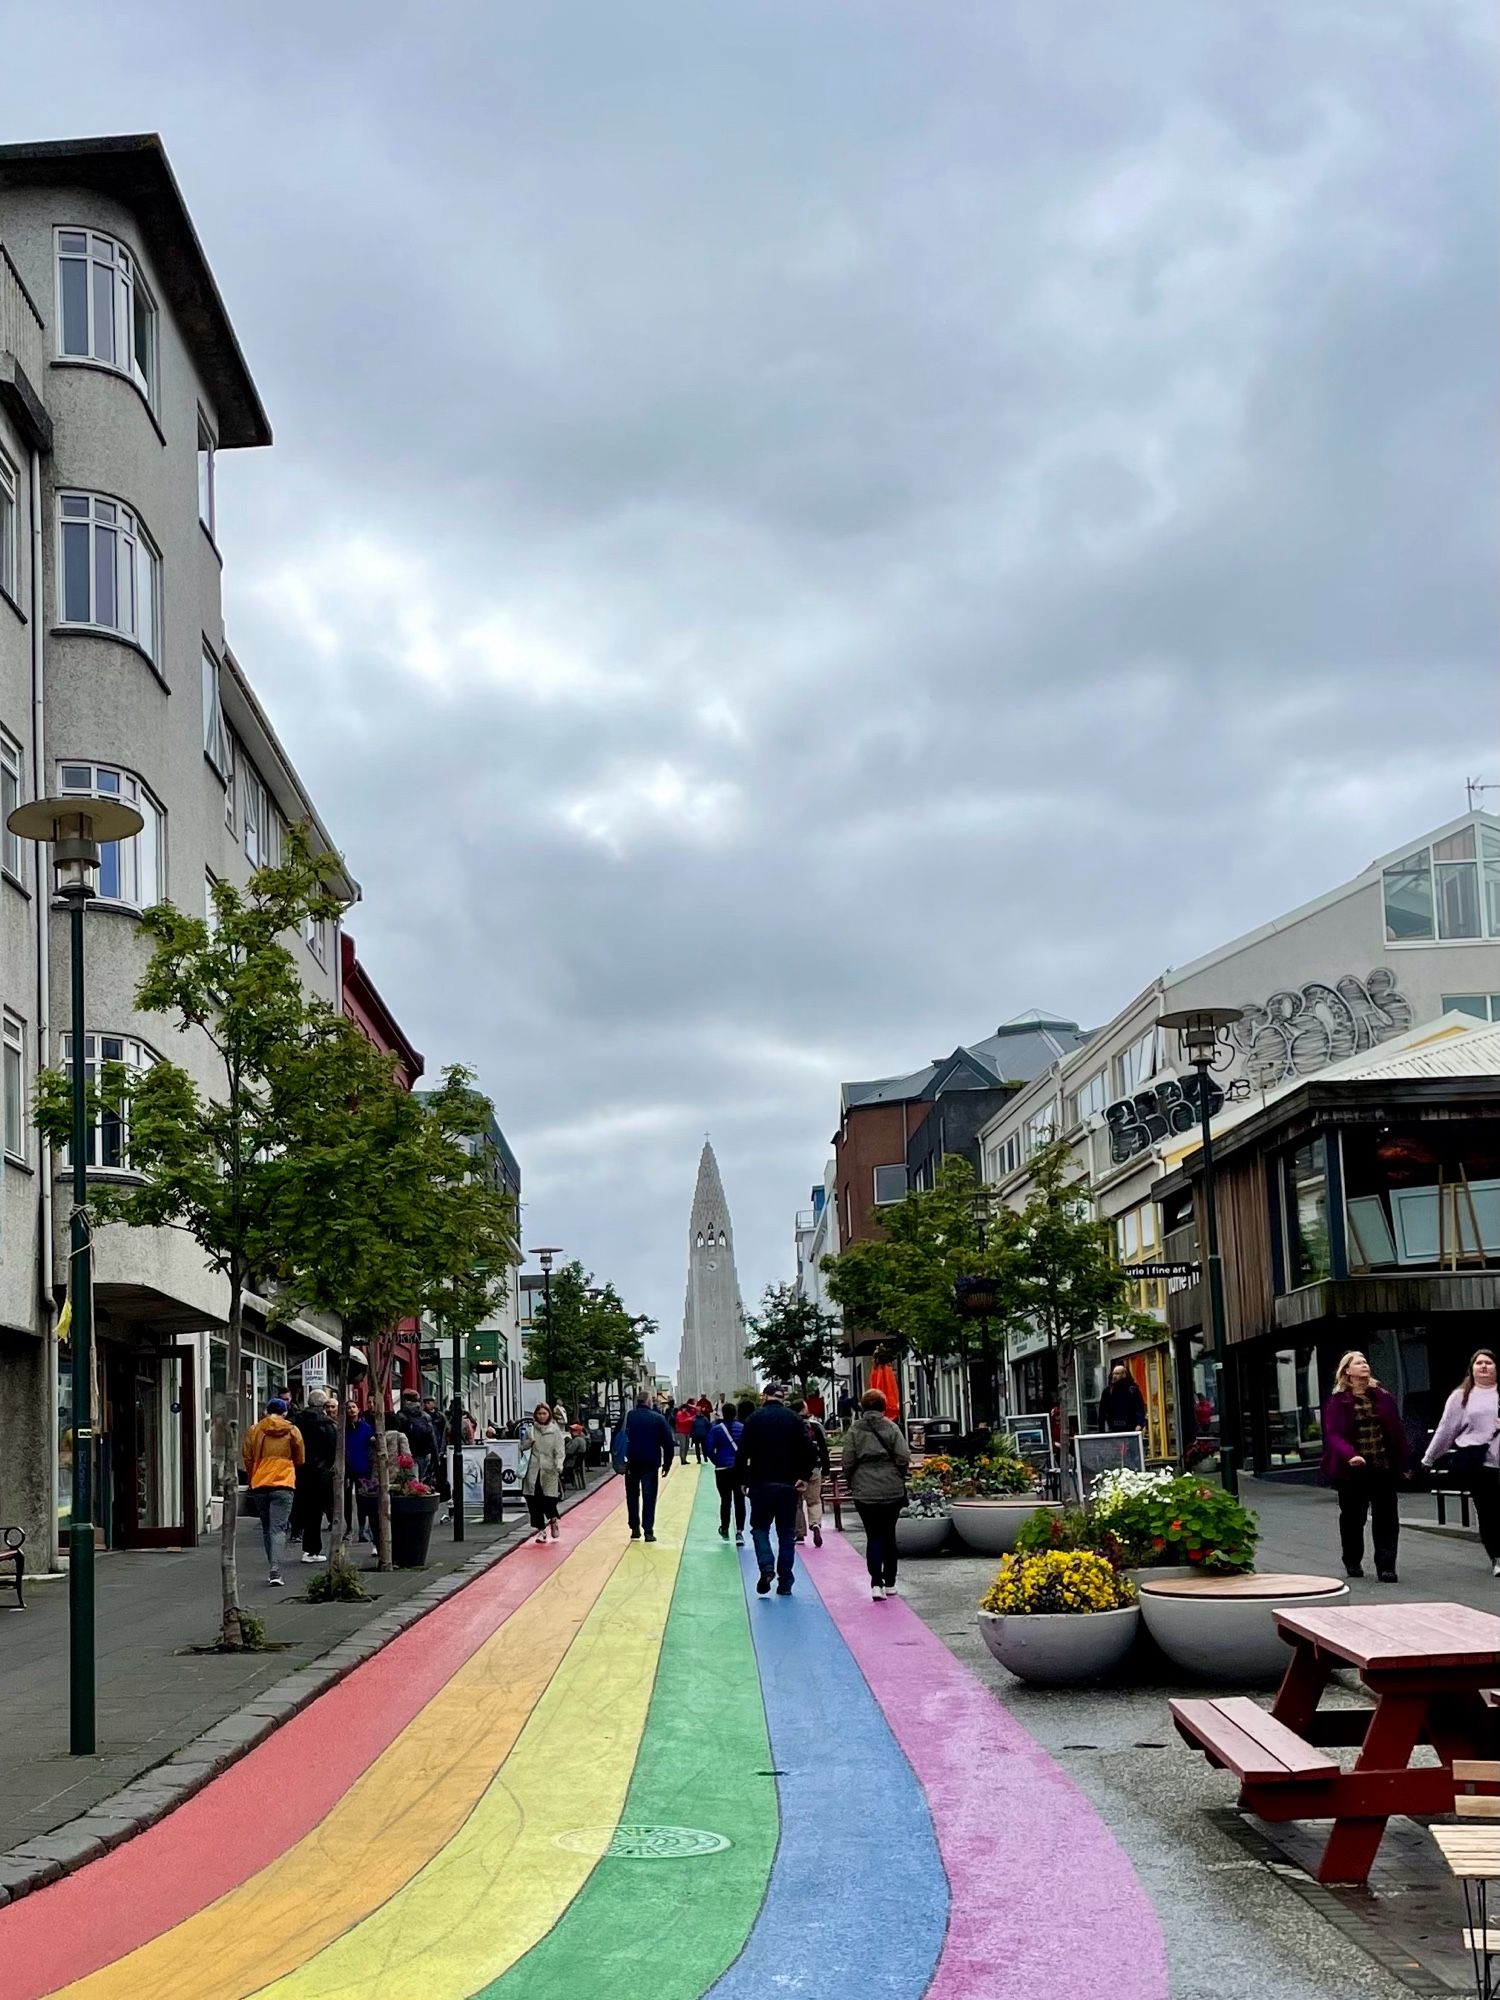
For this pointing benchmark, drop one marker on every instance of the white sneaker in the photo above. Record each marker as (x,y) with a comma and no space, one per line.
(877,1594)
(892,1590)
(1495,1567)
(541,1540)
(275,1581)
(314,1559)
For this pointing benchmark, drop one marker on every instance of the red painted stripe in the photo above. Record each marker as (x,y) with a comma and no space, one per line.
(271,1798)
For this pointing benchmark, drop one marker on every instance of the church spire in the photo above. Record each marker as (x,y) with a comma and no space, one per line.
(712,1359)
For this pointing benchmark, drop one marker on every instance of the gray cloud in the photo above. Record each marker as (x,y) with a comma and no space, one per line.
(763,496)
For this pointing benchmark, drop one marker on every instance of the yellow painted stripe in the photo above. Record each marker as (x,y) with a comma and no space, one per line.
(401,1812)
(502,1882)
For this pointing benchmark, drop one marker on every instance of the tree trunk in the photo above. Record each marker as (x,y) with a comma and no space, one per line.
(231,1633)
(338,1533)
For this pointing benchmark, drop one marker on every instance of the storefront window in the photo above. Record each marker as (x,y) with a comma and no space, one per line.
(1294,1406)
(1305,1197)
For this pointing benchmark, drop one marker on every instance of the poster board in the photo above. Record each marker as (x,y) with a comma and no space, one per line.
(508,1451)
(314,1369)
(1098,1452)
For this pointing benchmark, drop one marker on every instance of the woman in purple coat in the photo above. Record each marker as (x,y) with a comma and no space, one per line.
(1366,1456)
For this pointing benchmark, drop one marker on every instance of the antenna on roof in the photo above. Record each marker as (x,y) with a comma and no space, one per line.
(1473,786)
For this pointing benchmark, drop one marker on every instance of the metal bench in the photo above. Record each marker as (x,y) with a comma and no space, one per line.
(1238,1735)
(13,1560)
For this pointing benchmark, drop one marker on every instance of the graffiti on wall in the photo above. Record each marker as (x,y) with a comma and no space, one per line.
(1173,1105)
(1304,1028)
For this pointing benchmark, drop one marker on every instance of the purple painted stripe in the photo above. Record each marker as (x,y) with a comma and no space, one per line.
(1043,1900)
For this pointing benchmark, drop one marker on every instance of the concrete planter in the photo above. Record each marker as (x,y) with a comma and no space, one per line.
(1141,1577)
(990,1527)
(1059,1648)
(1222,1628)
(921,1534)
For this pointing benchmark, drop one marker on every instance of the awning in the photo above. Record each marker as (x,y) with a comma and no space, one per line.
(302,1329)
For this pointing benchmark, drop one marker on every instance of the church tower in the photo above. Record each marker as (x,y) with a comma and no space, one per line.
(712,1360)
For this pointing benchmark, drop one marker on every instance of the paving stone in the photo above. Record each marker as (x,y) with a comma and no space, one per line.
(69,1848)
(20,1874)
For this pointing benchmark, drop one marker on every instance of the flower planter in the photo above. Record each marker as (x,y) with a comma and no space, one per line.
(1146,1574)
(990,1527)
(1059,1648)
(1223,1628)
(412,1516)
(921,1534)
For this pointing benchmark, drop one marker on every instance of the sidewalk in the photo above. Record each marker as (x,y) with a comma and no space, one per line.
(155,1694)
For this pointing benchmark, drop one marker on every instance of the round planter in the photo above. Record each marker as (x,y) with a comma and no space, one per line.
(921,1534)
(990,1527)
(1060,1648)
(1160,1574)
(412,1516)
(1222,1628)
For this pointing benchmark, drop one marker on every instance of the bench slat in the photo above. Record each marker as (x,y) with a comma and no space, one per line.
(1476,1770)
(1470,1808)
(1250,1742)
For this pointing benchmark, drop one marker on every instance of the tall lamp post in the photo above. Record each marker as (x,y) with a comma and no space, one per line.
(544,1257)
(456,1441)
(1203,1040)
(75,829)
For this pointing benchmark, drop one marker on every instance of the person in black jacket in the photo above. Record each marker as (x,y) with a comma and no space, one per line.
(648,1448)
(1122,1407)
(320,1447)
(776,1457)
(421,1439)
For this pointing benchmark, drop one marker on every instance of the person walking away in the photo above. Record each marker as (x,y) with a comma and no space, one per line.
(1470,1428)
(723,1448)
(541,1483)
(1122,1407)
(359,1469)
(810,1504)
(699,1432)
(776,1456)
(273,1452)
(876,1456)
(1365,1455)
(682,1423)
(646,1452)
(320,1448)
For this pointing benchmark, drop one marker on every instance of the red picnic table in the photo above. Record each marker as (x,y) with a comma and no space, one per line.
(1428,1667)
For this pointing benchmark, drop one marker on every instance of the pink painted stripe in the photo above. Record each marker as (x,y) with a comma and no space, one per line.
(1044,1901)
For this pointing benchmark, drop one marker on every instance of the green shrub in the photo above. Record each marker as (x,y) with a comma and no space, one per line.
(1186,1521)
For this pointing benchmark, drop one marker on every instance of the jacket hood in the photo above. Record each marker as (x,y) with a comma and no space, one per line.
(276,1426)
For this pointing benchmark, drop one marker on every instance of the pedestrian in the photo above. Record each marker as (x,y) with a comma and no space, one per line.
(682,1423)
(846,1408)
(541,1483)
(645,1450)
(1122,1407)
(415,1426)
(876,1456)
(1365,1454)
(810,1504)
(320,1449)
(575,1453)
(1470,1428)
(776,1456)
(273,1452)
(359,1469)
(699,1431)
(723,1448)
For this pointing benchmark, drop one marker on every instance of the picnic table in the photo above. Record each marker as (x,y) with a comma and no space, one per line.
(1428,1667)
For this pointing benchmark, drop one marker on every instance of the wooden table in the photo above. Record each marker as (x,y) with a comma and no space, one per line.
(1427,1666)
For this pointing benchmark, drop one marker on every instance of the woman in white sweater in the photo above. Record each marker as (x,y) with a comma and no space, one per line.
(1470,1425)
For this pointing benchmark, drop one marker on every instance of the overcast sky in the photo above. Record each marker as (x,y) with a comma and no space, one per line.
(798,531)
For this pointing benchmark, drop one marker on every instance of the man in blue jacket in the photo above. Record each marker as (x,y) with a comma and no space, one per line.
(776,1455)
(647,1452)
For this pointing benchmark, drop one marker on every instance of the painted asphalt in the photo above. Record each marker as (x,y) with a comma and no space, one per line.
(611,1769)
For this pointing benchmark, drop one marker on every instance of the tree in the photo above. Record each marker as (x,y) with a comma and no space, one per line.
(791,1338)
(207,1159)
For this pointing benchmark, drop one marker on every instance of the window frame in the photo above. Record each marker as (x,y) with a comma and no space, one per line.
(10,529)
(12,779)
(1453,1003)
(208,451)
(1444,875)
(128,288)
(15,1108)
(132,790)
(216,737)
(94,1060)
(1078,1113)
(129,531)
(1039,1130)
(878,1200)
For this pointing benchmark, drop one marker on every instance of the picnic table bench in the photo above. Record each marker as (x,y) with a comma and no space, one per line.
(1427,1666)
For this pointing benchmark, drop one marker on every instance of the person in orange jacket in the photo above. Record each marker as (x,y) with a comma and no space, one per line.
(272,1452)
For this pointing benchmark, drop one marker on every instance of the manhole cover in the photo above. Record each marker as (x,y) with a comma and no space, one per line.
(642,1843)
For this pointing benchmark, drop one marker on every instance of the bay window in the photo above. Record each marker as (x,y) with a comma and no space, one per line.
(105,312)
(12,792)
(9,532)
(130,871)
(107,1141)
(109,574)
(14,1082)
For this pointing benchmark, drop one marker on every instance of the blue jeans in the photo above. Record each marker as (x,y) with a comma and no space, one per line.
(274,1506)
(774,1505)
(640,1496)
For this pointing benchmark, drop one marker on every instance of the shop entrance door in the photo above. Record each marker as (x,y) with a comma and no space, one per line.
(153,1400)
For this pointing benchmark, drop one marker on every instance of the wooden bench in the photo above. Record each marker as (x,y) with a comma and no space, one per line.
(1238,1735)
(1472,1853)
(13,1559)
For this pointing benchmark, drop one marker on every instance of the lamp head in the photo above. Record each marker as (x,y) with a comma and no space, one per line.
(1202,1031)
(75,827)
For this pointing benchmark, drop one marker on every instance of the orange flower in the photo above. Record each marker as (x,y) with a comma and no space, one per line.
(1157,1542)
(1174,1527)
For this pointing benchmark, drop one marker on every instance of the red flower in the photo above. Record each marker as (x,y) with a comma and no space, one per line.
(1195,1555)
(405,1463)
(1157,1542)
(1174,1527)
(417,1486)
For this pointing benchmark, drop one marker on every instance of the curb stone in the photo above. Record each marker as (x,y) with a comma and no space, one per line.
(152,1794)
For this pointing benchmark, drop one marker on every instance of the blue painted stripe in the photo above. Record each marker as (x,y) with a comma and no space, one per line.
(858,1901)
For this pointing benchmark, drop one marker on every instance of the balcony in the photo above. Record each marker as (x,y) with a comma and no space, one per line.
(23,357)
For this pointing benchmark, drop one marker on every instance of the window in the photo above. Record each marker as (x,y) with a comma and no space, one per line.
(1039,1130)
(1005,1158)
(315,930)
(1483,1006)
(12,791)
(215,729)
(206,449)
(104,309)
(1448,892)
(130,871)
(229,793)
(1087,1100)
(890,1184)
(1456,885)
(108,1140)
(1137,1065)
(257,813)
(9,533)
(1305,1196)
(110,574)
(14,1084)
(210,908)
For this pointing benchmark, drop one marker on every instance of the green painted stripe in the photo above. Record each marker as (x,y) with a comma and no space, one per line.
(666,1930)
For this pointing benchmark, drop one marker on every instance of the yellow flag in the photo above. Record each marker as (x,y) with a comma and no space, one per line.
(65,1320)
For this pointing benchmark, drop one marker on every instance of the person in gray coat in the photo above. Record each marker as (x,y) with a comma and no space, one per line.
(541,1483)
(876,1456)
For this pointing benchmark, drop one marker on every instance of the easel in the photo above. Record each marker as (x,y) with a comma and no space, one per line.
(1452,1250)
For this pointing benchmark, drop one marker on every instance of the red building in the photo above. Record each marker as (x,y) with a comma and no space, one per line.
(365,1008)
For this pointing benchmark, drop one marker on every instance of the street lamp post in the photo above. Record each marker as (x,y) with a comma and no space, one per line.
(75,829)
(456,1440)
(544,1257)
(1203,1037)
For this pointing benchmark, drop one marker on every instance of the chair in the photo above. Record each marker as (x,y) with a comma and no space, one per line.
(13,1558)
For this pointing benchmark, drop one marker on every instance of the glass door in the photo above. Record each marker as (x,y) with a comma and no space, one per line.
(154,1452)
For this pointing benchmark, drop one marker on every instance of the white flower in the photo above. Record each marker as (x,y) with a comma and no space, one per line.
(1115,1488)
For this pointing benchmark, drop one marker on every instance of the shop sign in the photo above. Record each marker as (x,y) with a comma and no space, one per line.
(315,1371)
(1023,1345)
(1179,1268)
(485,1347)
